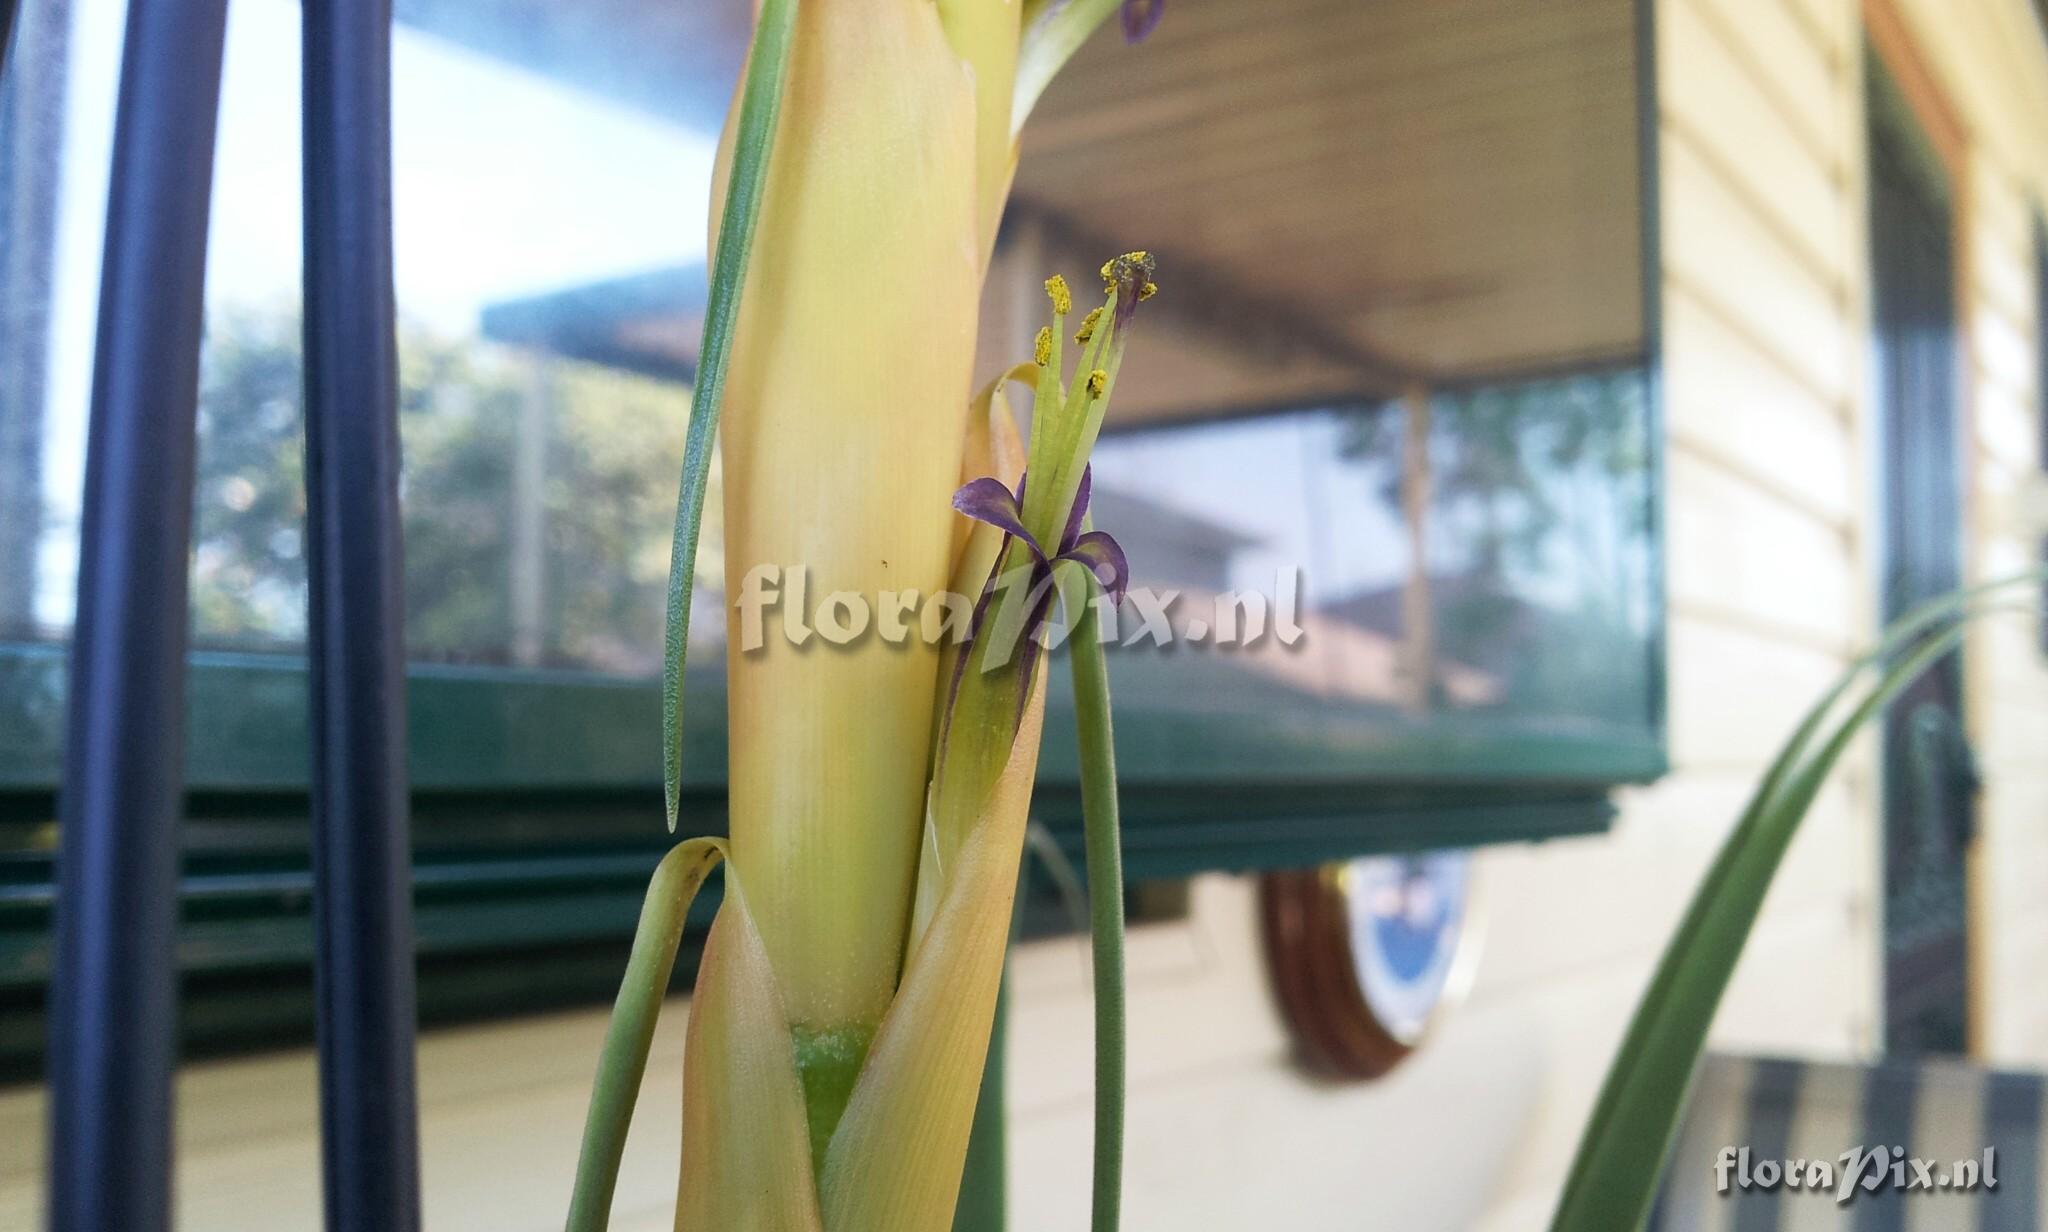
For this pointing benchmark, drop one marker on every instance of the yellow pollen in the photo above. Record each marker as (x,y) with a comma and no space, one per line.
(1087,329)
(1147,291)
(1062,299)
(1097,381)
(1043,355)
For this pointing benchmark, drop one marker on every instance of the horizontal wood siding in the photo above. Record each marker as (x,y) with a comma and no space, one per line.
(1768,572)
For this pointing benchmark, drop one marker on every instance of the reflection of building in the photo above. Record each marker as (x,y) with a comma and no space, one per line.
(1464,669)
(1167,545)
(647,323)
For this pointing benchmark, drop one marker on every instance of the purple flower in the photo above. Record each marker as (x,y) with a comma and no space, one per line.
(987,500)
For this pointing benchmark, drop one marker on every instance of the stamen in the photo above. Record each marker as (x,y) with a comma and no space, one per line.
(1043,350)
(1062,299)
(1087,329)
(1097,381)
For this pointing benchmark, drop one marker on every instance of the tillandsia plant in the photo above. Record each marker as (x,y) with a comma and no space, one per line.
(878,791)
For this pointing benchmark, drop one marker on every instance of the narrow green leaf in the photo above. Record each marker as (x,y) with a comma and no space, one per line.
(760,104)
(1615,1173)
(623,1062)
(1900,633)
(1105,905)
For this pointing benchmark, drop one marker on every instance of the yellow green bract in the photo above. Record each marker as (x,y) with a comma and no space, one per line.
(843,1006)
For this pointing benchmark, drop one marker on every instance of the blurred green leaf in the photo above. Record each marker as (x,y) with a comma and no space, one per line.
(1615,1175)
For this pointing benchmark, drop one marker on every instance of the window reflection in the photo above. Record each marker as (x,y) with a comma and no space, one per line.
(538,498)
(1540,540)
(539,475)
(1484,551)
(1368,251)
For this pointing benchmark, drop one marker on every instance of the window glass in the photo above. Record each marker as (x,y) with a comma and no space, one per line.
(1381,454)
(1528,505)
(56,130)
(539,474)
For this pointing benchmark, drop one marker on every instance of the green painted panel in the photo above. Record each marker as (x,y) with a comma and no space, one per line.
(478,730)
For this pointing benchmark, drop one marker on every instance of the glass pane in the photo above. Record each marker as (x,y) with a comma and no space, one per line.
(1539,522)
(1400,348)
(1212,579)
(56,132)
(538,486)
(536,213)
(1392,396)
(1528,504)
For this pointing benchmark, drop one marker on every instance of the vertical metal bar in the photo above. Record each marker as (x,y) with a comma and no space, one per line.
(113,992)
(362,898)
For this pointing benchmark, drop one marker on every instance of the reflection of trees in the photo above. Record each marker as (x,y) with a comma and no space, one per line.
(31,146)
(612,451)
(1539,514)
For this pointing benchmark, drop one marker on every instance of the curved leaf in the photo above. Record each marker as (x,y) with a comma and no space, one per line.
(623,1062)
(1616,1171)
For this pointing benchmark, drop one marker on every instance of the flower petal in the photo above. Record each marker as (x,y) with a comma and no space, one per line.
(1078,515)
(1104,557)
(987,500)
(1139,18)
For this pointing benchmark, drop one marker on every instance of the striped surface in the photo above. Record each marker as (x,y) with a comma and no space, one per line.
(1942,1111)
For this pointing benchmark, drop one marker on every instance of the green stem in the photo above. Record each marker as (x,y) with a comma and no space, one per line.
(1105,908)
(623,1062)
(760,104)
